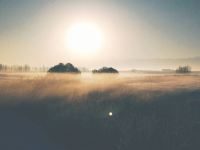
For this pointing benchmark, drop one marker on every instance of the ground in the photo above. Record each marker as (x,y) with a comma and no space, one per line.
(50,112)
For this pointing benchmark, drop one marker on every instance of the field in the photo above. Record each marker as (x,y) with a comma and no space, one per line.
(71,112)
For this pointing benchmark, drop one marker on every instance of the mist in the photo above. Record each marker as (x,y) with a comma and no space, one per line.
(72,111)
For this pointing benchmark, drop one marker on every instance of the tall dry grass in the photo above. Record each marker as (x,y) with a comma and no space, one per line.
(71,112)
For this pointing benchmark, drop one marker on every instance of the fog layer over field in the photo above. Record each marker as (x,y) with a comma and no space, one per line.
(72,112)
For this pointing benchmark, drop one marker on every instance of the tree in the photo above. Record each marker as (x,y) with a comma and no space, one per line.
(61,68)
(184,69)
(1,67)
(105,70)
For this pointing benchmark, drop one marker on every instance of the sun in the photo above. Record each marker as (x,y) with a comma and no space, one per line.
(84,38)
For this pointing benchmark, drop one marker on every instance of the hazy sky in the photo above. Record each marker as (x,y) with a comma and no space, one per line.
(33,32)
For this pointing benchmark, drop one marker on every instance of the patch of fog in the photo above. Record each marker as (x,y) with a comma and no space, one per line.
(55,111)
(79,86)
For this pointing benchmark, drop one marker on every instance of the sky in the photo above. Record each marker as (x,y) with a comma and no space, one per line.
(34,32)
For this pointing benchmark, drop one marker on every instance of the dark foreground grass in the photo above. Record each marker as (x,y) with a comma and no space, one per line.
(71,113)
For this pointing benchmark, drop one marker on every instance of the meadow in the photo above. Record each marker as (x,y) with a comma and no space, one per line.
(59,112)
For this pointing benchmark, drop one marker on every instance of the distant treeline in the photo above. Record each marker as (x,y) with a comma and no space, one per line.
(184,69)
(21,68)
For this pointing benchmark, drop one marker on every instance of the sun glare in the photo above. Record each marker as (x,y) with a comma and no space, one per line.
(84,38)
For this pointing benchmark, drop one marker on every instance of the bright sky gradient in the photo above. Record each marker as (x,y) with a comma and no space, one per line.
(33,31)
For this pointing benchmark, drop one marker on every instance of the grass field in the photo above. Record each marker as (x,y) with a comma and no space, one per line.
(71,112)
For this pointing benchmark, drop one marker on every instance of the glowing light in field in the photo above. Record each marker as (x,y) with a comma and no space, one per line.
(110,114)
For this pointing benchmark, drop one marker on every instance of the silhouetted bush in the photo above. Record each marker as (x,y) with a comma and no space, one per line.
(183,69)
(61,68)
(105,70)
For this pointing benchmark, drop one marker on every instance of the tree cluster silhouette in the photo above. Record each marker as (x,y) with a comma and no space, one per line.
(21,68)
(70,68)
(64,68)
(14,68)
(105,70)
(183,69)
